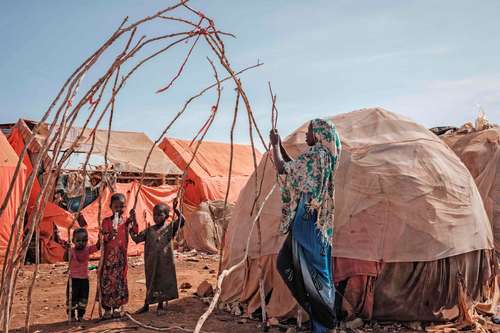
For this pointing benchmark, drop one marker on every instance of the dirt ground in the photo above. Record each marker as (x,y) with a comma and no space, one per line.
(48,313)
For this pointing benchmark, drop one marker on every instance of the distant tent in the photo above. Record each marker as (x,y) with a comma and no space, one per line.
(407,210)
(51,251)
(8,162)
(127,154)
(206,185)
(480,152)
(207,176)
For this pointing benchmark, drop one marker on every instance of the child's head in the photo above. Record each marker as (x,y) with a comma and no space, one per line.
(80,238)
(117,203)
(160,213)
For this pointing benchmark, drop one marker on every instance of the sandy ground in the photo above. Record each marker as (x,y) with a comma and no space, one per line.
(48,313)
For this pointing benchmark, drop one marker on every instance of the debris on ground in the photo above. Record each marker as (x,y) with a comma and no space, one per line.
(186,285)
(205,289)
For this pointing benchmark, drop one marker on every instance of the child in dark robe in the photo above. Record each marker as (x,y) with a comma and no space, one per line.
(113,282)
(78,271)
(159,265)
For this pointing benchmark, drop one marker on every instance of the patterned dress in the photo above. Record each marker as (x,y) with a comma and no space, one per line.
(114,288)
(305,261)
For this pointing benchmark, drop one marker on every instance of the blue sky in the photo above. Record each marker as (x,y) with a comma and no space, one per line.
(433,61)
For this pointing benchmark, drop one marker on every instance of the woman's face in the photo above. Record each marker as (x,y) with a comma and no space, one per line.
(310,139)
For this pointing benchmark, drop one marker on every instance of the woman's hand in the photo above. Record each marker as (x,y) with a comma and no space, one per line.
(274,137)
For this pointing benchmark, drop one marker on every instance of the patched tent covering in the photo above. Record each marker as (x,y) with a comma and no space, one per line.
(210,168)
(401,196)
(480,152)
(8,163)
(127,151)
(205,226)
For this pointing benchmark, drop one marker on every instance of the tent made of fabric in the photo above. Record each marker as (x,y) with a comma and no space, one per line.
(147,199)
(480,152)
(127,150)
(205,227)
(8,162)
(207,175)
(51,251)
(406,209)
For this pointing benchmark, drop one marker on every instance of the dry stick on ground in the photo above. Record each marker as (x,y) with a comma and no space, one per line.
(231,269)
(157,329)
(230,173)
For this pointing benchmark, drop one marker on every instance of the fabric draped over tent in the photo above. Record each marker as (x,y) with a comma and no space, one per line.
(480,152)
(50,251)
(403,198)
(206,185)
(207,175)
(8,162)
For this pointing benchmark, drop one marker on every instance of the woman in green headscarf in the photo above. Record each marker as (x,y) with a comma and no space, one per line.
(307,196)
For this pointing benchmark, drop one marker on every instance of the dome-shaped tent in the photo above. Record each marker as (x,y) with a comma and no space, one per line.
(480,152)
(406,208)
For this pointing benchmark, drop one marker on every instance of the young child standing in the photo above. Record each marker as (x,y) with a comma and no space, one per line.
(78,271)
(159,265)
(114,288)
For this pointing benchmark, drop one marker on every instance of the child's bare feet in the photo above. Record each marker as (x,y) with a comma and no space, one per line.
(107,314)
(161,310)
(117,313)
(142,310)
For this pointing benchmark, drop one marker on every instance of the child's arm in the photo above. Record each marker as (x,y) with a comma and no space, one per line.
(94,248)
(66,254)
(179,222)
(136,236)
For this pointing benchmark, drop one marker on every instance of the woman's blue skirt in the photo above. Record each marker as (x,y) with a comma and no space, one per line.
(305,264)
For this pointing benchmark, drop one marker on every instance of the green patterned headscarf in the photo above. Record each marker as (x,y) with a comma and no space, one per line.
(312,173)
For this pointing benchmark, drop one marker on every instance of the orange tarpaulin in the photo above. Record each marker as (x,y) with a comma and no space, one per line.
(148,198)
(8,162)
(51,251)
(207,175)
